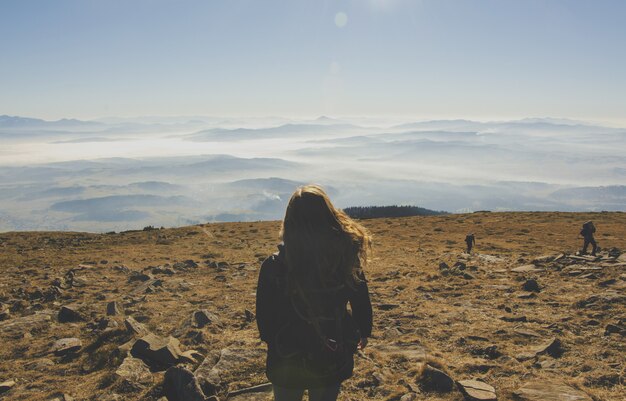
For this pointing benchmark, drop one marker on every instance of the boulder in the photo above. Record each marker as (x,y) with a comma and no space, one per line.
(549,391)
(474,390)
(157,351)
(180,384)
(66,346)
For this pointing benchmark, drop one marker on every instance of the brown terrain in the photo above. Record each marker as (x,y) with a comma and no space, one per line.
(105,316)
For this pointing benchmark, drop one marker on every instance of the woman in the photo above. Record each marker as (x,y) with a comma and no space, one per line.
(302,298)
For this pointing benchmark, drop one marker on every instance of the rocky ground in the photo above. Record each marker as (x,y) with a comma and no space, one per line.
(170,313)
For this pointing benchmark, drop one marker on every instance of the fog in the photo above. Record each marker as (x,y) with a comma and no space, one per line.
(116,174)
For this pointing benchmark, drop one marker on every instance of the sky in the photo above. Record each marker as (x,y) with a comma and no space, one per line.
(425,59)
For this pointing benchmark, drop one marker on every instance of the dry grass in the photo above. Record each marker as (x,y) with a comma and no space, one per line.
(454,318)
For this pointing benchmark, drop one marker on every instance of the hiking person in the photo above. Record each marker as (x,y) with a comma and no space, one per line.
(470,240)
(587,233)
(302,294)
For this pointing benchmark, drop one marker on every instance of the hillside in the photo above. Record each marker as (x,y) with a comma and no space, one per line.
(522,314)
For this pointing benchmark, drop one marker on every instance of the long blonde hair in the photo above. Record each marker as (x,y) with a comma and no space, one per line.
(324,247)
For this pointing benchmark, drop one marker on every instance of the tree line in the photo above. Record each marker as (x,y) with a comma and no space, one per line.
(371,212)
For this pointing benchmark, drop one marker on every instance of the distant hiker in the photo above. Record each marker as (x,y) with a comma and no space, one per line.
(302,294)
(470,240)
(587,233)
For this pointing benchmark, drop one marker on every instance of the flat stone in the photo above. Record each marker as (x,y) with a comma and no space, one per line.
(475,390)
(66,346)
(549,391)
(18,326)
(134,373)
(527,269)
(179,384)
(157,351)
(231,362)
(526,332)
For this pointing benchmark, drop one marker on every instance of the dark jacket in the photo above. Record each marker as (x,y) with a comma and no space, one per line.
(289,336)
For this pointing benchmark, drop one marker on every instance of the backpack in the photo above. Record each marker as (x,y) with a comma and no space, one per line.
(588,228)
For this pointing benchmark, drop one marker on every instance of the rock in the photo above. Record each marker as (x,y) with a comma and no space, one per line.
(69,314)
(134,327)
(544,259)
(187,264)
(6,386)
(475,390)
(531,285)
(134,374)
(611,329)
(443,266)
(157,351)
(66,346)
(549,391)
(254,393)
(526,332)
(203,317)
(139,276)
(249,316)
(409,397)
(17,327)
(148,286)
(114,309)
(180,384)
(433,379)
(551,347)
(231,362)
(526,295)
(62,397)
(40,364)
(527,269)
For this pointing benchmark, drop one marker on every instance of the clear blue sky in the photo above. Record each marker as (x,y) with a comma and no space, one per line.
(427,59)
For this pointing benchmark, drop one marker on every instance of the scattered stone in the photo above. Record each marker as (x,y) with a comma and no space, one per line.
(527,269)
(148,286)
(531,285)
(139,276)
(69,314)
(551,347)
(134,374)
(232,361)
(157,351)
(135,327)
(249,316)
(180,384)
(549,391)
(526,332)
(203,317)
(187,264)
(526,295)
(513,319)
(6,386)
(612,329)
(409,397)
(18,326)
(114,309)
(475,390)
(433,379)
(66,346)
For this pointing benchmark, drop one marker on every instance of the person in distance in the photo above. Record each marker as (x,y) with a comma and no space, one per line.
(302,296)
